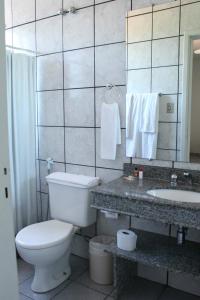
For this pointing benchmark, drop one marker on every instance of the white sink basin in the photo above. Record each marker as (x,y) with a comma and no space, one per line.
(176,195)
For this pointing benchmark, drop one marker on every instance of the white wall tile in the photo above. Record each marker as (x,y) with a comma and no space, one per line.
(111,226)
(24,37)
(77,3)
(139,55)
(107,175)
(140,28)
(79,107)
(166,154)
(50,31)
(9,37)
(79,68)
(49,72)
(50,108)
(23,11)
(153,274)
(118,95)
(166,23)
(46,8)
(110,21)
(158,163)
(139,81)
(79,145)
(151,226)
(190,17)
(78,29)
(8,13)
(110,64)
(80,246)
(160,52)
(51,143)
(167,136)
(185,283)
(120,155)
(82,170)
(165,80)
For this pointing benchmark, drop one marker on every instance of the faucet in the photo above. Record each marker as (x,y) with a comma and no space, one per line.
(174,178)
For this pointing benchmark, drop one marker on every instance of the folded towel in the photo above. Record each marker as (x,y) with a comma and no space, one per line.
(110,130)
(73,179)
(150,113)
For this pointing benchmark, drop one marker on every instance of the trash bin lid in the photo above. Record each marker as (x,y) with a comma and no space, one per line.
(98,242)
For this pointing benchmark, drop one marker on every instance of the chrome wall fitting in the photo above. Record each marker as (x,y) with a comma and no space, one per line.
(71,10)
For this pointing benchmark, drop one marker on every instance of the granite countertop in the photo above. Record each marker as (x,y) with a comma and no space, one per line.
(137,190)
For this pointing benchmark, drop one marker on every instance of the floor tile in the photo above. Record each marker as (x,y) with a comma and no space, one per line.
(79,266)
(173,294)
(142,289)
(85,280)
(25,270)
(22,297)
(25,289)
(77,291)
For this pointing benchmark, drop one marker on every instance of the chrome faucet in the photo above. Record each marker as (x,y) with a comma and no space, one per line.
(188,177)
(174,178)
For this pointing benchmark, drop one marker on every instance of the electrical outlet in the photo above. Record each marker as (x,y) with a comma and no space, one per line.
(170,108)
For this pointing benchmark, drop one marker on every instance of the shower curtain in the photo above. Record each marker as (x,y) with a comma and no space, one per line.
(21,115)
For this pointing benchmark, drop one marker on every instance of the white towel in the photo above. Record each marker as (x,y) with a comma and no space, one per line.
(110,130)
(133,135)
(150,113)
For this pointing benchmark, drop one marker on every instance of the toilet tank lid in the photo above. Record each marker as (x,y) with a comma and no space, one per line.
(74,180)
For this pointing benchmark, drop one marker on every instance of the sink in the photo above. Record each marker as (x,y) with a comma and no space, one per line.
(176,195)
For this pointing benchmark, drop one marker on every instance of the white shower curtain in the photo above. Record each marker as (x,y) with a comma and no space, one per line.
(21,114)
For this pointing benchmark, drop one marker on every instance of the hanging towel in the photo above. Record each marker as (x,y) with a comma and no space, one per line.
(110,130)
(149,125)
(150,113)
(133,135)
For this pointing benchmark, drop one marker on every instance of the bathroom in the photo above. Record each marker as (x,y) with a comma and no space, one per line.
(68,58)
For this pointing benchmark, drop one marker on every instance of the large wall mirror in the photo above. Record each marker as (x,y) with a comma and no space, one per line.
(163,57)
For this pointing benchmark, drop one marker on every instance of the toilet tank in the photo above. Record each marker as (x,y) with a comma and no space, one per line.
(69,198)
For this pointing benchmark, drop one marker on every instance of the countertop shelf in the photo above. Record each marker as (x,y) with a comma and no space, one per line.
(162,251)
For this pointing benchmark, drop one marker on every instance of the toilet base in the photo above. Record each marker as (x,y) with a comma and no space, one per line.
(49,277)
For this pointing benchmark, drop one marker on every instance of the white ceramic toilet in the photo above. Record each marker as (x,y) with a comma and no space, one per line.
(46,245)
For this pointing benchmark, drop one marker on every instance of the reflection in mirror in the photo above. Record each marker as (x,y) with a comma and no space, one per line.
(163,59)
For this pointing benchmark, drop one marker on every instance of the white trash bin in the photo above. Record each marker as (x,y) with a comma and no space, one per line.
(101,263)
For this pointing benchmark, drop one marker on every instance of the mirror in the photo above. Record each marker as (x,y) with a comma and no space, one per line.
(163,58)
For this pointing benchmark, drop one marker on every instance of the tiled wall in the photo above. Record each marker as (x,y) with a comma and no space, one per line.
(77,55)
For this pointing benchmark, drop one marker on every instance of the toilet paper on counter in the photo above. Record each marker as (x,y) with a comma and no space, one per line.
(126,240)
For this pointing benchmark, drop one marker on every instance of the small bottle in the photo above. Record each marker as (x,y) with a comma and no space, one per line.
(141,173)
(136,172)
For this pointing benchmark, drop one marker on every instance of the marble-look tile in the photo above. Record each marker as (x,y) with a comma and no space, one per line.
(139,28)
(79,146)
(120,154)
(110,64)
(139,55)
(190,17)
(165,80)
(107,175)
(86,281)
(24,37)
(51,143)
(160,52)
(50,31)
(111,29)
(118,95)
(78,291)
(82,170)
(78,30)
(79,107)
(167,136)
(53,7)
(50,72)
(50,108)
(23,11)
(79,68)
(77,3)
(166,23)
(139,81)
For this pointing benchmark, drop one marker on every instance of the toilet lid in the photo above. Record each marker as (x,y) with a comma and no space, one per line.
(44,234)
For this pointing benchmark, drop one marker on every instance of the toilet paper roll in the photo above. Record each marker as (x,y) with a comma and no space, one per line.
(126,240)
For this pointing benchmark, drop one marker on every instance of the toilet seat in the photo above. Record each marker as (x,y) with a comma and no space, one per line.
(44,235)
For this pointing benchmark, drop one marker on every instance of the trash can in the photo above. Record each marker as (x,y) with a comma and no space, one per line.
(101,263)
